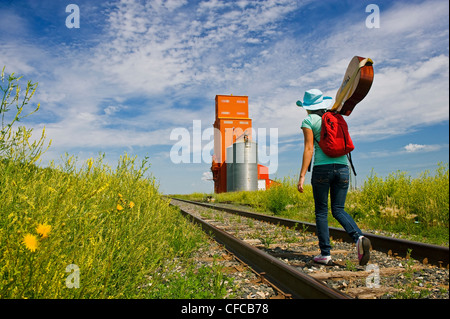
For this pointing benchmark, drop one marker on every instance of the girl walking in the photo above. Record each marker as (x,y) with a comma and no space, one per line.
(330,175)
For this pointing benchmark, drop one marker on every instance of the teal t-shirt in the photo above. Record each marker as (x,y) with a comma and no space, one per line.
(314,122)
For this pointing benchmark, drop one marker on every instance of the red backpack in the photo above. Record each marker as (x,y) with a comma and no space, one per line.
(335,140)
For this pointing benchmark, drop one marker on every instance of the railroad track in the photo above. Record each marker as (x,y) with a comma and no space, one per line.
(282,250)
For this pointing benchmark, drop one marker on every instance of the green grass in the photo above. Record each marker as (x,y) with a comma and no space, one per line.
(399,203)
(412,207)
(113,224)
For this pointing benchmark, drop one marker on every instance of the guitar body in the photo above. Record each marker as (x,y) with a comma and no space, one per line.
(356,84)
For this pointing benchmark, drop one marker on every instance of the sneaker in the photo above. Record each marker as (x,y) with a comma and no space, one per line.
(363,248)
(326,260)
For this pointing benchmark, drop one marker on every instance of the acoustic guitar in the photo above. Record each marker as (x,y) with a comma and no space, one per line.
(356,84)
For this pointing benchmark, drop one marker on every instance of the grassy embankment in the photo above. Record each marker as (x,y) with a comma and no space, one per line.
(415,208)
(89,231)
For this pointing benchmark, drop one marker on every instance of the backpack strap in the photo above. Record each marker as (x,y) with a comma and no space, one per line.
(309,167)
(349,156)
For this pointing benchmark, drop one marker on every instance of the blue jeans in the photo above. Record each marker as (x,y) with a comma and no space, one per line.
(333,178)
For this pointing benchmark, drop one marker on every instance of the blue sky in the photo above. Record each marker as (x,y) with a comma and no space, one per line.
(134,71)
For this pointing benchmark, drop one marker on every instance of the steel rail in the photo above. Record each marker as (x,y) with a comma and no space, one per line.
(435,255)
(286,277)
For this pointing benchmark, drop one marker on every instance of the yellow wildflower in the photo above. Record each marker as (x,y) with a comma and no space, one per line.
(119,207)
(30,242)
(131,205)
(43,230)
(90,162)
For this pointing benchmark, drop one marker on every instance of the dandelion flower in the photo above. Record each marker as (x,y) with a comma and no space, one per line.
(43,230)
(131,205)
(119,207)
(30,242)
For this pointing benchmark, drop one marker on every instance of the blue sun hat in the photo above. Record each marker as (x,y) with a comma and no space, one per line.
(314,100)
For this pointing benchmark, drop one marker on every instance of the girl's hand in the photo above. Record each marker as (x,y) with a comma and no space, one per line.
(301,181)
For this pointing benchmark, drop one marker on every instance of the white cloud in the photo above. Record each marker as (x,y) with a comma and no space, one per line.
(407,149)
(149,49)
(411,148)
(111,109)
(207,176)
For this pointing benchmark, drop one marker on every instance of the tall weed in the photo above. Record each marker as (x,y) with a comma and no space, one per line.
(112,224)
(399,198)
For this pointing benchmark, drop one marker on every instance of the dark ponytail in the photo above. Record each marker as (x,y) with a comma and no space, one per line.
(318,112)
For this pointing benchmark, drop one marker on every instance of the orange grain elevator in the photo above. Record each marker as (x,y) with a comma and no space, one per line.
(233,136)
